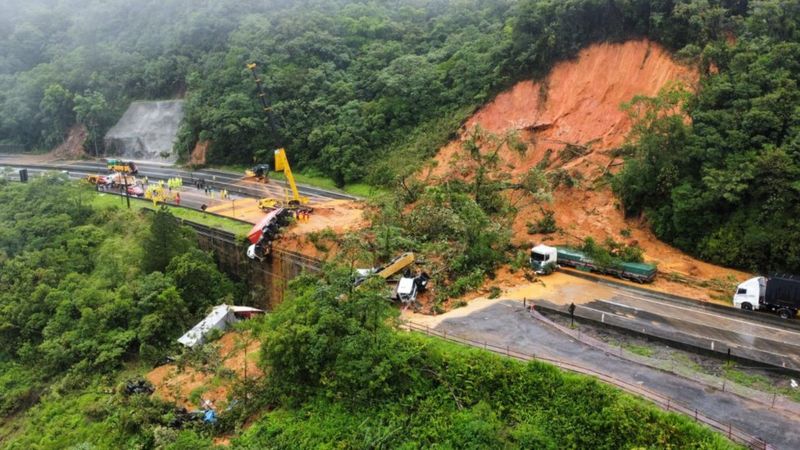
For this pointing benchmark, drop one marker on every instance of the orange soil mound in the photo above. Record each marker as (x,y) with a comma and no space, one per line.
(73,145)
(579,104)
(338,216)
(198,156)
(175,386)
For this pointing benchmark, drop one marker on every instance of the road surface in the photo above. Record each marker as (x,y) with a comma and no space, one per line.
(506,323)
(218,179)
(750,335)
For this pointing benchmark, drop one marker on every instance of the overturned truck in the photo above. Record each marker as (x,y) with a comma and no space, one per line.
(264,232)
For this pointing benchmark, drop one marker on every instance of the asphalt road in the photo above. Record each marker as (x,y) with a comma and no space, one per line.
(190,197)
(506,323)
(755,336)
(218,179)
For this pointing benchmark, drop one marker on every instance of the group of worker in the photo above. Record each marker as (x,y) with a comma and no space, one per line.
(301,215)
(175,183)
(156,193)
(223,193)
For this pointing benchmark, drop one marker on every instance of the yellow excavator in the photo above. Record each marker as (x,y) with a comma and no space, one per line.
(393,267)
(282,165)
(408,286)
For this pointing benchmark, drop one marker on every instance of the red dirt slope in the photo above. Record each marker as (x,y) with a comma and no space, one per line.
(579,104)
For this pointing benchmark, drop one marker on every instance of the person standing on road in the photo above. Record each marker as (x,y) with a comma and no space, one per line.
(178,198)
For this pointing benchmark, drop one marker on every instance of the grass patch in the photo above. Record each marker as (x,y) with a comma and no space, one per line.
(684,360)
(758,382)
(105,200)
(640,350)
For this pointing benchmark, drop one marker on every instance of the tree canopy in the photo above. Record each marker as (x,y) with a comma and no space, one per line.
(364,90)
(78,290)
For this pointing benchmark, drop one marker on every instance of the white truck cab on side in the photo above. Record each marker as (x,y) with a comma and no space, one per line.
(406,290)
(543,256)
(749,294)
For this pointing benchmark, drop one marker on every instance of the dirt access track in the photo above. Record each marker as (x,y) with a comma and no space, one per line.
(578,106)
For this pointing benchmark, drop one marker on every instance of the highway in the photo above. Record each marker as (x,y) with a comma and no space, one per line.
(750,335)
(217,179)
(508,327)
(754,336)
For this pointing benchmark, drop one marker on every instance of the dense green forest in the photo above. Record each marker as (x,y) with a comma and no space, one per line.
(364,90)
(339,372)
(728,185)
(350,82)
(85,291)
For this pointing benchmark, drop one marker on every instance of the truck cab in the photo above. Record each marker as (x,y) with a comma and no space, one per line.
(406,290)
(543,258)
(750,294)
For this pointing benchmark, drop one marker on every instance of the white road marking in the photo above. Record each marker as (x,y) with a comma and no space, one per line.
(701,311)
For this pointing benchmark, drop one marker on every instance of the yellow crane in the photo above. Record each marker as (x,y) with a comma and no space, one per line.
(261,171)
(282,165)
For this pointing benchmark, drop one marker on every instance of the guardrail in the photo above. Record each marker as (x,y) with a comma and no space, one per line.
(754,316)
(702,343)
(771,401)
(11,148)
(733,433)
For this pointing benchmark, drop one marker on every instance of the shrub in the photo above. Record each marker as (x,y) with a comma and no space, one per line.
(545,225)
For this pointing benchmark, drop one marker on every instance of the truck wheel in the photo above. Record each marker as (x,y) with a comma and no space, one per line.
(747,306)
(784,313)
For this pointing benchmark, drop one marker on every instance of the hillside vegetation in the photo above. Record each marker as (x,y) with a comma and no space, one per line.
(93,295)
(366,90)
(86,290)
(340,375)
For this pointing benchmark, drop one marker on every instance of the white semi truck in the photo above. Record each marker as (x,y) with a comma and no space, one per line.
(779,294)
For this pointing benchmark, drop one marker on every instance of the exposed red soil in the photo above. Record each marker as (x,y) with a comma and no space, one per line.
(177,386)
(73,145)
(579,104)
(330,221)
(339,216)
(198,156)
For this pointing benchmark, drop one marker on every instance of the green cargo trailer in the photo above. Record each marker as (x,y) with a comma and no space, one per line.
(641,272)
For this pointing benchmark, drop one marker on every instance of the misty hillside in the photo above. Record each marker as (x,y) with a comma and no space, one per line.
(366,90)
(348,80)
(654,140)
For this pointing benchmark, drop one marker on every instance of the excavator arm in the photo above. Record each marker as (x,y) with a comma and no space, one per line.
(397,265)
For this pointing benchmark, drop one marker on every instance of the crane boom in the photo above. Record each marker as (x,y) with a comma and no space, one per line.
(282,165)
(262,97)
